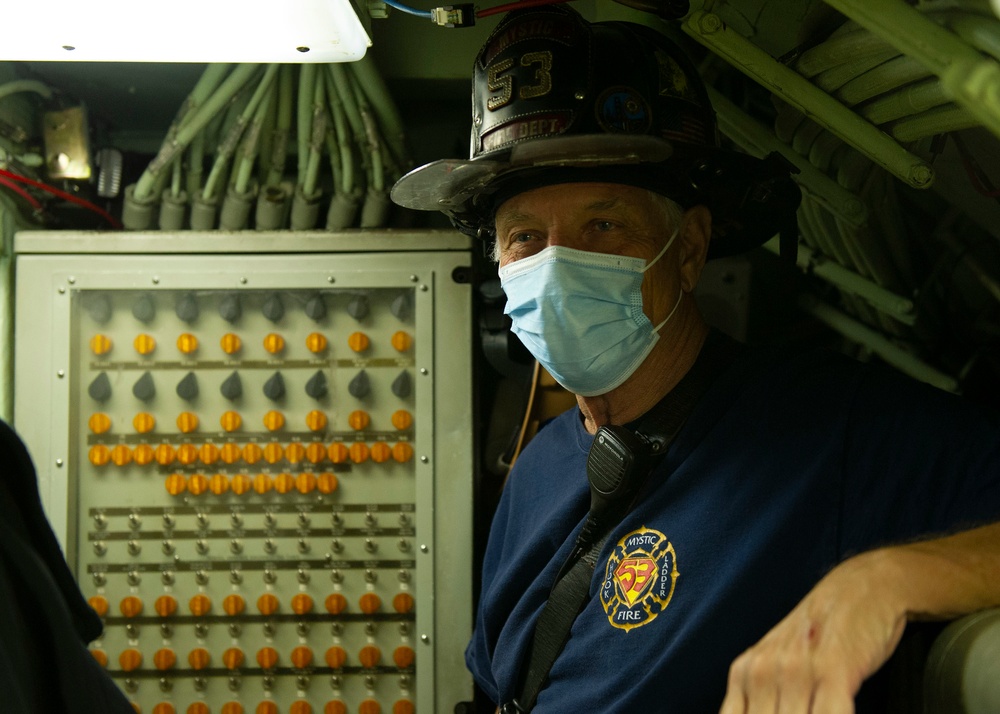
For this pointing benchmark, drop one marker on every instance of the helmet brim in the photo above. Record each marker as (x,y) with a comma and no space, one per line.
(451,185)
(750,199)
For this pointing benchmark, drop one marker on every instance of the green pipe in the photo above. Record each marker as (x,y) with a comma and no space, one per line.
(279,150)
(269,119)
(195,164)
(316,138)
(909,100)
(333,151)
(385,108)
(843,49)
(805,136)
(973,80)
(251,142)
(982,34)
(822,151)
(346,94)
(307,85)
(217,101)
(372,138)
(341,131)
(207,83)
(175,177)
(938,120)
(909,31)
(832,79)
(819,106)
(331,140)
(884,78)
(903,360)
(228,147)
(758,140)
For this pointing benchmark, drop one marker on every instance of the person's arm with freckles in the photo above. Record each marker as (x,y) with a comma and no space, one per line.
(850,623)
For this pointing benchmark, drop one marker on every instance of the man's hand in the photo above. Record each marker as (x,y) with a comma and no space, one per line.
(815,660)
(817,657)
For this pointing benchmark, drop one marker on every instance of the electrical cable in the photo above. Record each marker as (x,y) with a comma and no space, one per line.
(316,138)
(229,88)
(115,223)
(207,83)
(307,85)
(426,14)
(938,120)
(342,132)
(25,85)
(176,172)
(195,164)
(28,198)
(279,147)
(251,142)
(343,92)
(389,119)
(228,146)
(516,6)
(372,140)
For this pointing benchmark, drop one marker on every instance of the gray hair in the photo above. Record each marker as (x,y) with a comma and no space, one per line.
(672,214)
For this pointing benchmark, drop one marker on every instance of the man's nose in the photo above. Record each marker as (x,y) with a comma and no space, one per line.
(563,238)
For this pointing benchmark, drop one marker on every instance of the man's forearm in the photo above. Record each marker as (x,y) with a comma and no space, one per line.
(849,624)
(949,576)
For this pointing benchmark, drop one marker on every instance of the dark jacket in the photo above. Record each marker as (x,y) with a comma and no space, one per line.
(45,624)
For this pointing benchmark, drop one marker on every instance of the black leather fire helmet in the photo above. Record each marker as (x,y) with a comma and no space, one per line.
(556,99)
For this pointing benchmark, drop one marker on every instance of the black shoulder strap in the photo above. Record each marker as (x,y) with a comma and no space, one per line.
(663,422)
(655,430)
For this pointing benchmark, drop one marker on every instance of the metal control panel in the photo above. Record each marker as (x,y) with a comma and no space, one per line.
(259,462)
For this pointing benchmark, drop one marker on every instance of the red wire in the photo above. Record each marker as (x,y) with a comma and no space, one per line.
(115,223)
(32,201)
(515,5)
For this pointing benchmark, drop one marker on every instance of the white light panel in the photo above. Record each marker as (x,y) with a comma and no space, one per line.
(184,31)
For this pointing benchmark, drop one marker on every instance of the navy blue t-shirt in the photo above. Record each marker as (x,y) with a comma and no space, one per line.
(783,469)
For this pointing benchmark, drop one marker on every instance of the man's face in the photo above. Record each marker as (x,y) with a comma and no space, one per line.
(596,217)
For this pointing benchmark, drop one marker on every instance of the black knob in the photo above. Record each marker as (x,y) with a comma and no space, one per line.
(230,308)
(144,309)
(402,385)
(99,307)
(274,388)
(317,387)
(232,387)
(187,388)
(360,385)
(144,389)
(273,309)
(358,307)
(316,307)
(100,389)
(187,308)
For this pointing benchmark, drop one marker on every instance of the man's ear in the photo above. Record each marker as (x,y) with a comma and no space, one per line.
(695,233)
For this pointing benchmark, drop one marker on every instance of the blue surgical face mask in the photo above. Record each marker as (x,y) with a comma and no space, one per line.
(580,315)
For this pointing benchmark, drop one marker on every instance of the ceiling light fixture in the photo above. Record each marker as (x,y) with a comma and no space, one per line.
(185,31)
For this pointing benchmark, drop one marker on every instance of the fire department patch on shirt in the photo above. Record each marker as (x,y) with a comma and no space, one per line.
(639,579)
